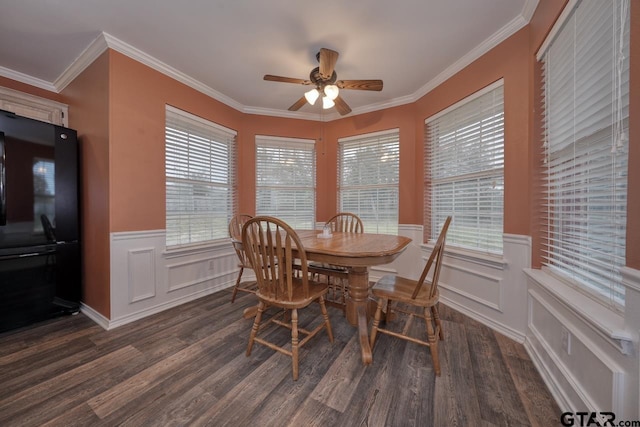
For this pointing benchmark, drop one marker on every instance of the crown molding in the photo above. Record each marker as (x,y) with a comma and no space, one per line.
(529,9)
(27,79)
(86,58)
(498,37)
(105,40)
(279,113)
(150,61)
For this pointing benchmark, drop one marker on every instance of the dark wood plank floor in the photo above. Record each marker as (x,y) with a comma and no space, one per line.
(187,366)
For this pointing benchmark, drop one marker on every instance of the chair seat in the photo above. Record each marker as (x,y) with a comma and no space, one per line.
(298,300)
(400,289)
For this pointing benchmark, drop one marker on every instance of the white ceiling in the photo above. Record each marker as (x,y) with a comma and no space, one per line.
(224,48)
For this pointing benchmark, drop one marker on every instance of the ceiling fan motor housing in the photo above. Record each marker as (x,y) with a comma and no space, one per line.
(317,79)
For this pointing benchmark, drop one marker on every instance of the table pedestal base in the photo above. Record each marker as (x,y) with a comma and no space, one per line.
(357,308)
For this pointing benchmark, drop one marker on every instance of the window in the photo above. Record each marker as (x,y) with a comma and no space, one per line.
(368,177)
(44,191)
(586,114)
(200,178)
(286,180)
(464,176)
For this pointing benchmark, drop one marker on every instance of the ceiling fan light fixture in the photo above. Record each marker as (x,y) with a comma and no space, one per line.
(327,102)
(331,91)
(311,96)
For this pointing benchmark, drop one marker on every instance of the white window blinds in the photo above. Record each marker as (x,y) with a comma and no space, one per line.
(586,100)
(464,176)
(368,177)
(286,180)
(200,178)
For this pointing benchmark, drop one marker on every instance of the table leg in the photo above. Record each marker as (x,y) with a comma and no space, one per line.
(357,308)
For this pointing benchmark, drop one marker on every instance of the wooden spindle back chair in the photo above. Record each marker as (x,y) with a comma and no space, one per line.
(272,249)
(392,291)
(235,232)
(337,276)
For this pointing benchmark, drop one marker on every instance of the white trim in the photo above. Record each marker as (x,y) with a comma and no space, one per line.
(475,298)
(485,259)
(465,100)
(92,314)
(566,12)
(133,235)
(545,372)
(58,112)
(609,325)
(529,9)
(370,135)
(25,78)
(200,120)
(507,31)
(630,278)
(284,142)
(96,48)
(616,371)
(146,59)
(492,323)
(200,280)
(196,248)
(141,314)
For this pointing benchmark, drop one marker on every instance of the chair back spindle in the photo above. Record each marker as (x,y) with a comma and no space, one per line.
(436,256)
(346,222)
(272,247)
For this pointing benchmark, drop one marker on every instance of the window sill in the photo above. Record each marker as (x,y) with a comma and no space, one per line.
(604,321)
(486,259)
(181,251)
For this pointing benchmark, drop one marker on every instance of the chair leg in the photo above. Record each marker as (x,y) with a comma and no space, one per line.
(376,322)
(294,342)
(325,315)
(235,288)
(256,326)
(433,342)
(436,317)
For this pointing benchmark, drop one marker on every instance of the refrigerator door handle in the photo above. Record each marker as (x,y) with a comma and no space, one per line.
(3,182)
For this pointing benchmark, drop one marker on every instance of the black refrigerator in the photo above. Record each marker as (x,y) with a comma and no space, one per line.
(40,269)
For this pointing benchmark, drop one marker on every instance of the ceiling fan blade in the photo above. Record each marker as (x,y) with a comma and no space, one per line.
(342,106)
(360,84)
(298,104)
(271,78)
(328,59)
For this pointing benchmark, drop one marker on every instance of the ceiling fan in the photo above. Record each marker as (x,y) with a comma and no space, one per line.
(326,83)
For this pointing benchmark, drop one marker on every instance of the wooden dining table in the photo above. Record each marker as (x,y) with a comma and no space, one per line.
(357,252)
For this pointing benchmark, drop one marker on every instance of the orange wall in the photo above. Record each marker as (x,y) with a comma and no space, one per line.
(31,90)
(138,98)
(88,99)
(633,197)
(509,61)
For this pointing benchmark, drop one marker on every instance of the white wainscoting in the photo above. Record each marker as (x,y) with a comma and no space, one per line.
(146,279)
(489,288)
(586,353)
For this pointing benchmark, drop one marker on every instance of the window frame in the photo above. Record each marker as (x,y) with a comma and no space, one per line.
(213,149)
(588,145)
(370,219)
(441,174)
(306,150)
